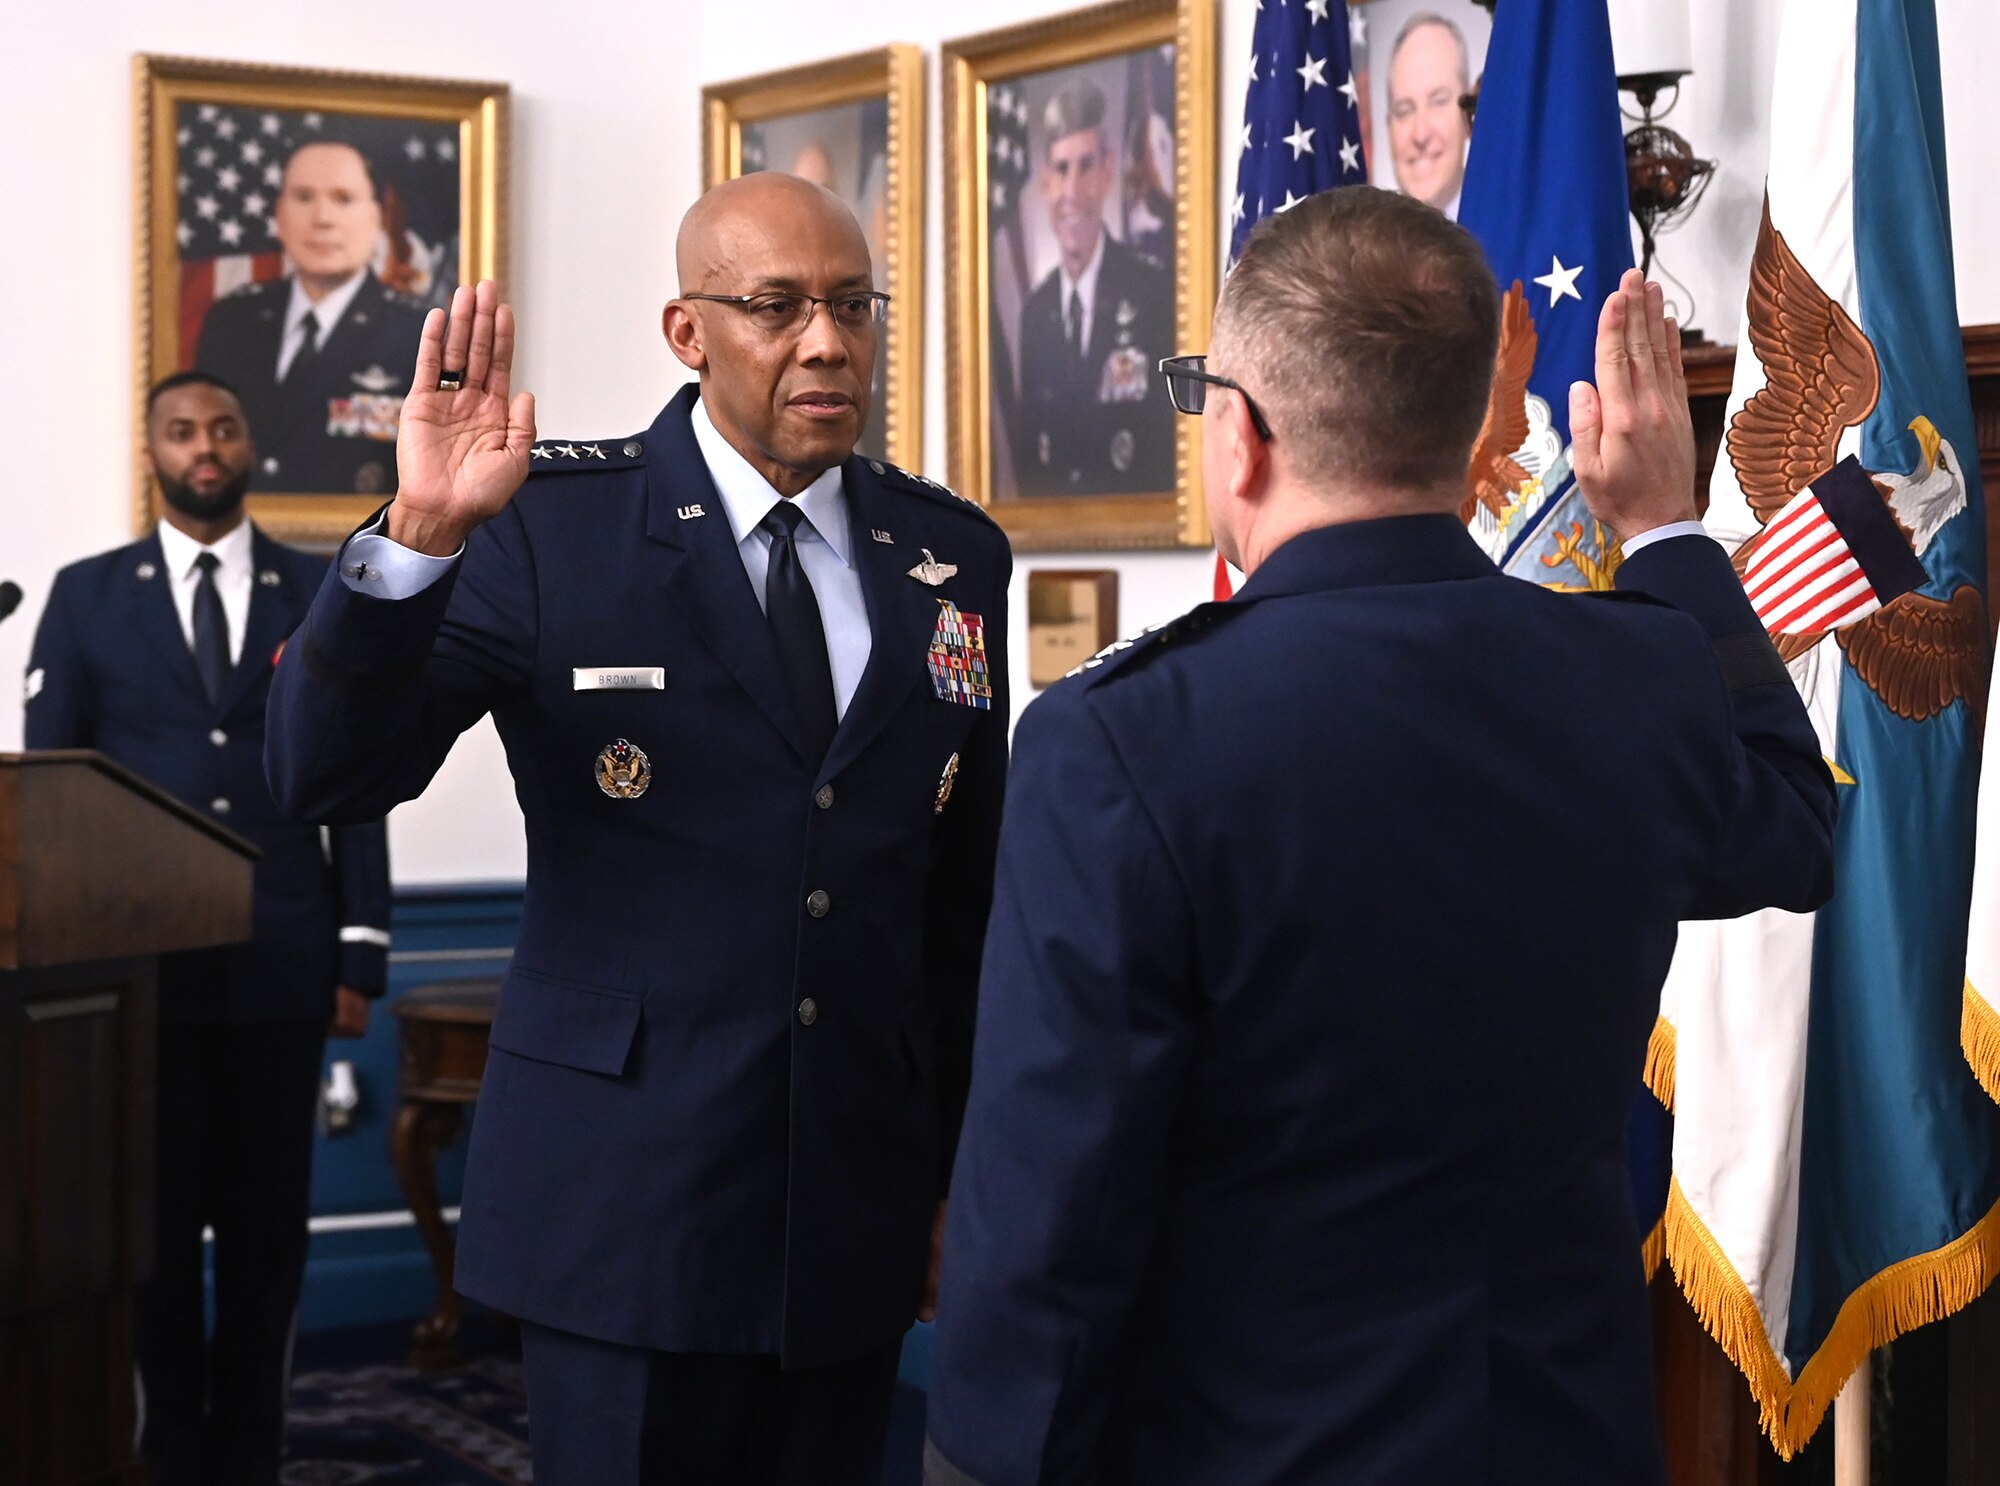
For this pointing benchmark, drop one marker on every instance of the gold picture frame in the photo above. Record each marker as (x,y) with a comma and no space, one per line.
(212,143)
(1015,98)
(863,116)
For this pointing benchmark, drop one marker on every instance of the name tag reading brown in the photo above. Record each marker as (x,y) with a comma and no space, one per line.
(624,678)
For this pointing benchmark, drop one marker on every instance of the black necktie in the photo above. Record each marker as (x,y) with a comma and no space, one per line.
(794,614)
(308,348)
(1073,325)
(211,629)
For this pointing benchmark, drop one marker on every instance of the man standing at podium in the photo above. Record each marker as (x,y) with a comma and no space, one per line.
(160,655)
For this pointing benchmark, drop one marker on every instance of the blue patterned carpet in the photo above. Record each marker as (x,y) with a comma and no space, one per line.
(360,1416)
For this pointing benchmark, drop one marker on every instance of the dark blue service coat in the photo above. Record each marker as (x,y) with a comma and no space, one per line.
(111,670)
(731,1051)
(1328,936)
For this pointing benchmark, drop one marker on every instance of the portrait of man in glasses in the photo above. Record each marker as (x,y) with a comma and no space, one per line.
(1089,416)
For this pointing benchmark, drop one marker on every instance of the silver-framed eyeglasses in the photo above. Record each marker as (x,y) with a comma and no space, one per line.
(785,313)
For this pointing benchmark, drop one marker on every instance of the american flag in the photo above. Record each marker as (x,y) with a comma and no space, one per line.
(1006,152)
(1301,124)
(1832,556)
(231,163)
(1301,113)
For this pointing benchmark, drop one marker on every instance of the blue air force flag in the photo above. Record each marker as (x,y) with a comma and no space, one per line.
(1836,1165)
(1545,195)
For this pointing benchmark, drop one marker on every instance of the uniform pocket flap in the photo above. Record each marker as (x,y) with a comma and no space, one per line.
(560,1021)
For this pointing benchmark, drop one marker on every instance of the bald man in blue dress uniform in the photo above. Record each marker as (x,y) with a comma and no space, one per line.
(753,694)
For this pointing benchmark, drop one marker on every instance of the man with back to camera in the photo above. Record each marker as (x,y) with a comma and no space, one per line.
(322,354)
(753,694)
(160,655)
(1330,925)
(1093,420)
(1428,130)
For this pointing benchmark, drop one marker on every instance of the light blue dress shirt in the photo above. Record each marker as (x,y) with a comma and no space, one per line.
(384,569)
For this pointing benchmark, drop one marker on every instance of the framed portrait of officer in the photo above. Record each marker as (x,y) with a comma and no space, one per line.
(295,227)
(854,125)
(1417,65)
(1080,250)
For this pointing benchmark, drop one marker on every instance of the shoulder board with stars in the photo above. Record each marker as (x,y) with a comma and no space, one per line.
(576,456)
(1119,654)
(903,480)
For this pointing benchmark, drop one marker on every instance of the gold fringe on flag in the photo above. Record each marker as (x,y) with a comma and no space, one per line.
(1906,1295)
(1979,1035)
(1653,1252)
(1660,1062)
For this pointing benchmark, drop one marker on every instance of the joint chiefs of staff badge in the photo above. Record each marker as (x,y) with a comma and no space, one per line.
(623,771)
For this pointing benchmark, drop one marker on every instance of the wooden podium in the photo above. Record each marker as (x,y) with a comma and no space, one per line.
(99,873)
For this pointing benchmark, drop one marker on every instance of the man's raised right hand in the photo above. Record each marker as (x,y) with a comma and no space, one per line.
(460,453)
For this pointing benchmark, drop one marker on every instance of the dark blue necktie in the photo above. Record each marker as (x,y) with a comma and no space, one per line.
(211,629)
(794,614)
(308,351)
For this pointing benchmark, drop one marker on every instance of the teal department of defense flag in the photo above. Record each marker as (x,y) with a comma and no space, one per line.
(1836,1164)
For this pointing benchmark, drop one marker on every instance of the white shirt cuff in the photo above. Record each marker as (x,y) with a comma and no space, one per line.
(382,569)
(1646,539)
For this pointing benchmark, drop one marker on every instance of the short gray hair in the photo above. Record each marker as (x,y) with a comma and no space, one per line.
(1364,324)
(1073,108)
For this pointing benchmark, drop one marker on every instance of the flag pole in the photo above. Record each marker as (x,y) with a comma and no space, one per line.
(1850,1427)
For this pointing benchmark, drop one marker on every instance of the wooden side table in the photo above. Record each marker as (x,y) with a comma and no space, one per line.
(441,1035)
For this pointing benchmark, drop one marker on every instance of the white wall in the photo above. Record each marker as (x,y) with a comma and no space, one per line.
(606,144)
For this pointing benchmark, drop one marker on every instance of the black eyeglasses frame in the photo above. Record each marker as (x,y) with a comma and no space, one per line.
(1195,369)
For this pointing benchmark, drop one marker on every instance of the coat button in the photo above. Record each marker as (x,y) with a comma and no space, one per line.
(218,737)
(817,903)
(824,797)
(634,449)
(270,466)
(876,466)
(219,806)
(808,1011)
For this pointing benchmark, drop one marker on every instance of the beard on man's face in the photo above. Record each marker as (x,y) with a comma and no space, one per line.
(199,505)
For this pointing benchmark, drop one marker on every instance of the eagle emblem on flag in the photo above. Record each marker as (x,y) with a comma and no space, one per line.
(1917,653)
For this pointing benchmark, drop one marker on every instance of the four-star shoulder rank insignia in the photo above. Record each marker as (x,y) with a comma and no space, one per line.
(931,571)
(623,771)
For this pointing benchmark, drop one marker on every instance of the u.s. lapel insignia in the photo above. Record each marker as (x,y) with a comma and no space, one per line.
(269,578)
(881,536)
(945,784)
(144,571)
(37,678)
(931,571)
(958,658)
(689,513)
(623,771)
